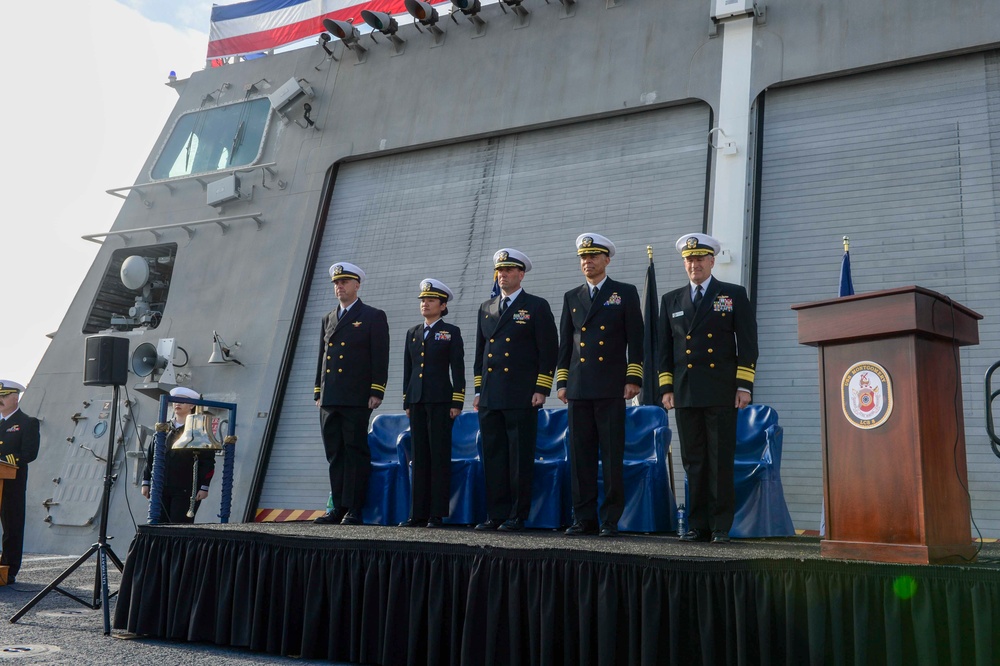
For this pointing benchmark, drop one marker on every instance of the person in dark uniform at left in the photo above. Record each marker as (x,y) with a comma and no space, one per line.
(433,394)
(516,347)
(351,373)
(707,359)
(178,483)
(19,439)
(599,368)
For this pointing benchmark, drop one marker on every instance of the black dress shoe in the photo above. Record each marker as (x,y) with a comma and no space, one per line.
(720,537)
(581,528)
(352,518)
(330,518)
(608,530)
(703,536)
(512,525)
(413,522)
(488,525)
(434,521)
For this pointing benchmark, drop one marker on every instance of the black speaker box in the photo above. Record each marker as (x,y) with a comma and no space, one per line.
(106,361)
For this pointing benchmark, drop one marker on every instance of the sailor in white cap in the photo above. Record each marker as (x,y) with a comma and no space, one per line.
(19,439)
(178,478)
(516,347)
(707,361)
(351,374)
(433,395)
(599,368)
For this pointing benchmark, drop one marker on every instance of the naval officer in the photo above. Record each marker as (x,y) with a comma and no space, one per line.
(19,439)
(351,373)
(599,368)
(516,347)
(433,394)
(707,360)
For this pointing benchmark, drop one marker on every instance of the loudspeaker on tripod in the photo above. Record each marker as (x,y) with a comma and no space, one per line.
(106,361)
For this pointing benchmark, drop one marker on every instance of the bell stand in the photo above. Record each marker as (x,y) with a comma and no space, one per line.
(102,548)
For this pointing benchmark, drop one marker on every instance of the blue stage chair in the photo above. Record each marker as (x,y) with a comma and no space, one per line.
(649,499)
(388,501)
(760,500)
(468,481)
(551,495)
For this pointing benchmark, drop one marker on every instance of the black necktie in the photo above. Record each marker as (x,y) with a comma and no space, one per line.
(340,313)
(504,304)
(427,329)
(593,293)
(697,298)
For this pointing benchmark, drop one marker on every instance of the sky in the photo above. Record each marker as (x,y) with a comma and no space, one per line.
(83,106)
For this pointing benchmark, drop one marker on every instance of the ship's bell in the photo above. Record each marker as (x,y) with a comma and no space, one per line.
(197,435)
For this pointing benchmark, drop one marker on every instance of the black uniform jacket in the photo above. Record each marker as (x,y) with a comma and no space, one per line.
(178,465)
(353,357)
(705,357)
(600,342)
(19,438)
(427,363)
(515,353)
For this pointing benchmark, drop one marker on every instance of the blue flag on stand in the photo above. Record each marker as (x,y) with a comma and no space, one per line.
(846,285)
(496,286)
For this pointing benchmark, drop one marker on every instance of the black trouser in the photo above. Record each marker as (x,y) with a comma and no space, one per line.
(345,438)
(174,503)
(708,451)
(430,431)
(12,521)
(597,428)
(508,460)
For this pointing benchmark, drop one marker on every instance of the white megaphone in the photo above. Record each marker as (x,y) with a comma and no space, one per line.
(147,360)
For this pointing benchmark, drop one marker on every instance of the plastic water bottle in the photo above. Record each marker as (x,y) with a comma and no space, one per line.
(329,503)
(681,520)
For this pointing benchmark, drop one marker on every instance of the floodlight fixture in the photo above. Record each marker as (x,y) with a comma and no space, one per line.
(386,24)
(425,15)
(516,6)
(347,33)
(471,9)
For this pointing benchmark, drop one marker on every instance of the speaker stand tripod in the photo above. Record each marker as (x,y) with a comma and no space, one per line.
(101,548)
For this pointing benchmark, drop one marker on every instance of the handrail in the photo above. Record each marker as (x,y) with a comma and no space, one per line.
(221,221)
(990,397)
(200,177)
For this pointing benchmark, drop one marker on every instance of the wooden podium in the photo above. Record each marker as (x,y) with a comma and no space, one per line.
(6,472)
(892,426)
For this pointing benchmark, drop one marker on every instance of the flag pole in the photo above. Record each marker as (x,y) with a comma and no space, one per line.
(847,243)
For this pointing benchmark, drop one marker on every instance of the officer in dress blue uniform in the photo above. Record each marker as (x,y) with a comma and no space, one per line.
(19,439)
(707,359)
(434,391)
(351,373)
(516,347)
(600,366)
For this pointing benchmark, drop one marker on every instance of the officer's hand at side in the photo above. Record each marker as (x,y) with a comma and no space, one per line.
(374,402)
(453,412)
(742,399)
(145,492)
(202,494)
(561,394)
(631,390)
(475,403)
(668,401)
(537,400)
(317,403)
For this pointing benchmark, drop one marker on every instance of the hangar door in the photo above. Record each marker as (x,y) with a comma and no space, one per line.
(442,212)
(906,163)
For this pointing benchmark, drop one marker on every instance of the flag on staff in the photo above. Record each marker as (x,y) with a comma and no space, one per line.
(846,285)
(496,285)
(650,393)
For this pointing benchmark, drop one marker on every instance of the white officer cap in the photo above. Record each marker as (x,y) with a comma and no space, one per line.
(697,245)
(594,244)
(184,392)
(431,288)
(343,270)
(7,387)
(511,257)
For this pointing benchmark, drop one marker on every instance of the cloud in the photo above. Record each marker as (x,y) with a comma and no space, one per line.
(83,109)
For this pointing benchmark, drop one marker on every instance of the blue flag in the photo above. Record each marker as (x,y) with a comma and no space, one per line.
(846,285)
(496,286)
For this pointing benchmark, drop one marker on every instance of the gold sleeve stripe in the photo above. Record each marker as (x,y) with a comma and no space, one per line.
(458,397)
(562,375)
(666,378)
(634,370)
(478,381)
(11,459)
(746,374)
(378,387)
(544,380)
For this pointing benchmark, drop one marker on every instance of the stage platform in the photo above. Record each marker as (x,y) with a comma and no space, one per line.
(382,595)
